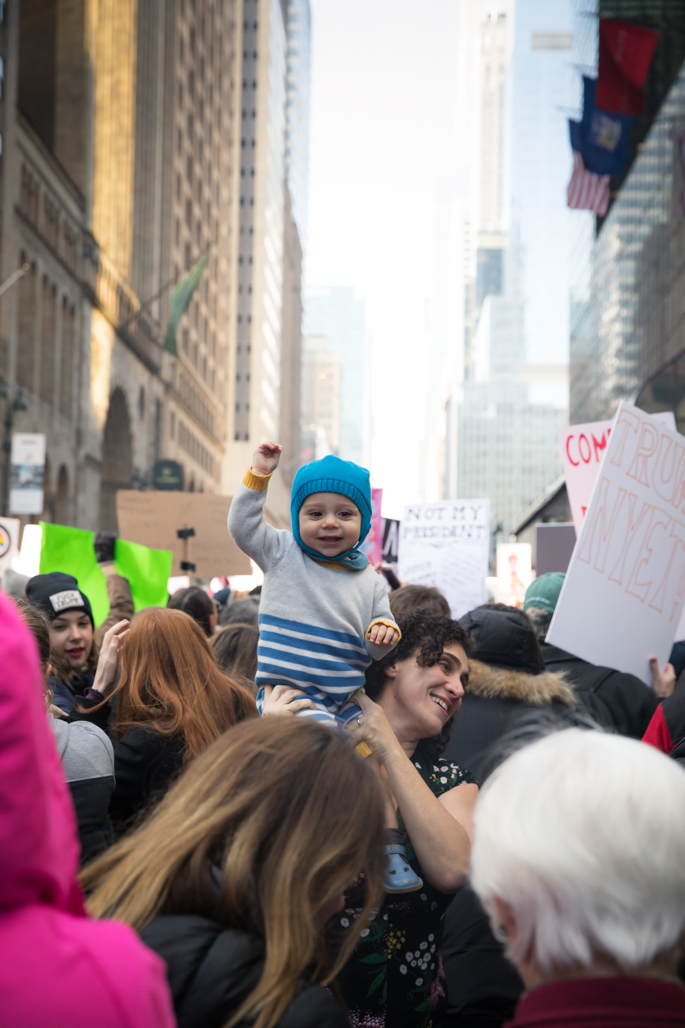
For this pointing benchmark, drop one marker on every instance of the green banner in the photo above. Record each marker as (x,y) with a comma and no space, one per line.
(181,295)
(147,571)
(71,550)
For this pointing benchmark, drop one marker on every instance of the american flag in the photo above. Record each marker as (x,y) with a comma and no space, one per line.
(587,191)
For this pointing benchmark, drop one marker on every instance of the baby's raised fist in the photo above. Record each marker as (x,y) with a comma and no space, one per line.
(266,458)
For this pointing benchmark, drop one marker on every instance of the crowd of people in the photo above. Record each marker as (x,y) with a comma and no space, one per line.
(253,810)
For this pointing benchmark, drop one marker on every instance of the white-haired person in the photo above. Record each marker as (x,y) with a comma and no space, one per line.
(579,859)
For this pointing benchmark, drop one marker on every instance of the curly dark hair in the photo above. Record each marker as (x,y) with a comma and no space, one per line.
(424,635)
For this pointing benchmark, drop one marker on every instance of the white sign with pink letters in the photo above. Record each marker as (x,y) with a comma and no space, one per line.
(624,591)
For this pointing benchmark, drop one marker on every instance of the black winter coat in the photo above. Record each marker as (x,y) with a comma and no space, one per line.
(483,986)
(497,701)
(212,969)
(67,696)
(614,699)
(145,763)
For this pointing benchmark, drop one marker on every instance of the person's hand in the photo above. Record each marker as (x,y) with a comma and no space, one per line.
(108,661)
(55,711)
(266,458)
(373,728)
(663,682)
(383,635)
(281,699)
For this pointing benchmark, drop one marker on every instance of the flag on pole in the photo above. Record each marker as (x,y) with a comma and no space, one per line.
(586,190)
(603,138)
(625,54)
(181,295)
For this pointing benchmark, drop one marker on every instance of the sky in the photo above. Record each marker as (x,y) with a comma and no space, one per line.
(383,83)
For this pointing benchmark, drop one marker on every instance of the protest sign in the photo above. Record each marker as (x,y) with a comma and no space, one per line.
(582,450)
(71,550)
(9,543)
(514,572)
(373,544)
(147,570)
(154,518)
(391,540)
(446,544)
(625,587)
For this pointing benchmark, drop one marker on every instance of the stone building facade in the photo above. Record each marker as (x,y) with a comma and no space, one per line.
(122,139)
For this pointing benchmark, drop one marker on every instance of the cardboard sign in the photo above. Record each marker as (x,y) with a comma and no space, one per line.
(154,518)
(582,451)
(625,587)
(514,572)
(446,544)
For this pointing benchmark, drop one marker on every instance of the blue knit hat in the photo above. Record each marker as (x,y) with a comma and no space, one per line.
(333,475)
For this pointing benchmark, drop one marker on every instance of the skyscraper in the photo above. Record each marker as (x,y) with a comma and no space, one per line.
(503,414)
(121,144)
(299,30)
(269,251)
(334,314)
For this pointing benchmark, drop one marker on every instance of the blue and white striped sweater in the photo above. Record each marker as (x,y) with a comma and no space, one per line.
(328,665)
(313,617)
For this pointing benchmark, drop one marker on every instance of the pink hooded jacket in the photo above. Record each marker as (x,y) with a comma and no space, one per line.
(58,967)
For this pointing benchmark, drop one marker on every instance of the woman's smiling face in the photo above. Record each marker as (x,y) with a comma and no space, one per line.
(419,701)
(71,638)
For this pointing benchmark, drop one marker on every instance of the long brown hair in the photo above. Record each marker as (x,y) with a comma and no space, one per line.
(235,649)
(291,816)
(40,629)
(171,682)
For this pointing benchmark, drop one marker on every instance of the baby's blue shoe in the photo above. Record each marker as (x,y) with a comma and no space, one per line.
(399,875)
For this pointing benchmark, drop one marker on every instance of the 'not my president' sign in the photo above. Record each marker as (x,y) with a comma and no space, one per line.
(446,544)
(625,587)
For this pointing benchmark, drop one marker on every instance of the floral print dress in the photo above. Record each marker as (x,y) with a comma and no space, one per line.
(394,978)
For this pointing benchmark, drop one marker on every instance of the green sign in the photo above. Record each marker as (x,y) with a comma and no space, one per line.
(71,550)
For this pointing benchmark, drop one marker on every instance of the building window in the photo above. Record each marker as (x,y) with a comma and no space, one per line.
(172,425)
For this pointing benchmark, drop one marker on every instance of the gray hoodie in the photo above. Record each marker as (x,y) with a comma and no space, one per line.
(88,761)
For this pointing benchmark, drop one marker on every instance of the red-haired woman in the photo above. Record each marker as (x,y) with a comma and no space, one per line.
(173,701)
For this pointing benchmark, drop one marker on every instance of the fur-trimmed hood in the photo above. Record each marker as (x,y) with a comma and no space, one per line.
(501,683)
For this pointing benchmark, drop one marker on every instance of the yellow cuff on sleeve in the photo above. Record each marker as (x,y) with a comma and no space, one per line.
(257,482)
(382,621)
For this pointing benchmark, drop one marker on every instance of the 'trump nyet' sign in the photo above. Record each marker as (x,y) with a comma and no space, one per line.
(625,587)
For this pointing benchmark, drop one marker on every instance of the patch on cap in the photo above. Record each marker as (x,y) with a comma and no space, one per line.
(66,600)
